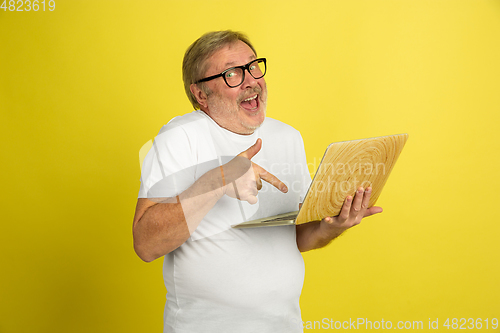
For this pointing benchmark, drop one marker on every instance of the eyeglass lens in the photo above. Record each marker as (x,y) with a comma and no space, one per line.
(235,76)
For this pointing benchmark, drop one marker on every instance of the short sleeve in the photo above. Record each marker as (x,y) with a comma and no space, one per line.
(169,167)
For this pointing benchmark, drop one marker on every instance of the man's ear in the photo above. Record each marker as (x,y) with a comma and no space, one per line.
(200,96)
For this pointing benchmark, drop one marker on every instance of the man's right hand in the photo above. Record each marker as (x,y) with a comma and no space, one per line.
(243,178)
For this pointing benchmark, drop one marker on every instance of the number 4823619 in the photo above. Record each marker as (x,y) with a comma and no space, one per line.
(27,5)
(471,323)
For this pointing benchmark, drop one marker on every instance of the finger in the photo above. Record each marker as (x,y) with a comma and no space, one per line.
(366,200)
(244,190)
(253,150)
(373,210)
(327,220)
(246,186)
(252,199)
(249,195)
(258,183)
(270,178)
(346,208)
(253,190)
(256,169)
(358,199)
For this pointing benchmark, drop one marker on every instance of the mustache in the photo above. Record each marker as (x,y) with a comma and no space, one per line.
(250,92)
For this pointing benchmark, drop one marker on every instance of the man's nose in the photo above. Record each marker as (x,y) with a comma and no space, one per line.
(249,81)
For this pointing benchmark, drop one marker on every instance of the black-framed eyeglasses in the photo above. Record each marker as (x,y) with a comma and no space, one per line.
(235,76)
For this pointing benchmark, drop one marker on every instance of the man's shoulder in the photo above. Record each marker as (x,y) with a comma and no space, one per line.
(182,132)
(185,121)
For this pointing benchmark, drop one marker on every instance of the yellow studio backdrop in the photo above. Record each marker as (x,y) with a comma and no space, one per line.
(84,86)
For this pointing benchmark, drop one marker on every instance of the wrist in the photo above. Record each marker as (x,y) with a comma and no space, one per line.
(329,230)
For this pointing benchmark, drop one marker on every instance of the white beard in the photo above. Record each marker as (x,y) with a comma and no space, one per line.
(226,113)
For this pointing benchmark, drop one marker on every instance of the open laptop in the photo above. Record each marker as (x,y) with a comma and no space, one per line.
(345,166)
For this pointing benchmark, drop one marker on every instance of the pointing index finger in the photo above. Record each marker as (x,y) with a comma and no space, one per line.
(270,178)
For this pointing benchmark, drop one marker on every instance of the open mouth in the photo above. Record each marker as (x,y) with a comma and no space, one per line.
(251,103)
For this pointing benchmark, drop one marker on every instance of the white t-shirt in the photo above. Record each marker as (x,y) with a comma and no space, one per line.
(223,279)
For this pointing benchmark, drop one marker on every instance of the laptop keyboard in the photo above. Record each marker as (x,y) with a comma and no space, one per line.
(282,218)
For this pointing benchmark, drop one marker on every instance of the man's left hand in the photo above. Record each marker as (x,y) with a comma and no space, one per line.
(353,210)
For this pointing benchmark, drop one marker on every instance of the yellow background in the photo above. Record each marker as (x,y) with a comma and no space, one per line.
(82,88)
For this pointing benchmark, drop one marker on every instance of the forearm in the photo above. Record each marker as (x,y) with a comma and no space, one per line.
(159,231)
(166,225)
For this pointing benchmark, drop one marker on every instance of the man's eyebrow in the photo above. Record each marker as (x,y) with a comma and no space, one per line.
(233,63)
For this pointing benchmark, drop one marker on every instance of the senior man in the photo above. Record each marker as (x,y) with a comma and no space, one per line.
(211,168)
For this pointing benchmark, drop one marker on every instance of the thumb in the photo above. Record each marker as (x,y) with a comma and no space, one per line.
(253,150)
